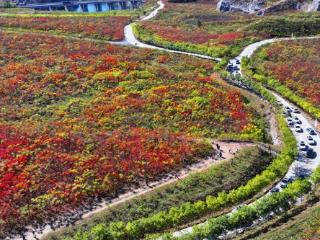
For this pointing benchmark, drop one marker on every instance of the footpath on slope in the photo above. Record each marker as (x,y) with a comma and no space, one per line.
(227,149)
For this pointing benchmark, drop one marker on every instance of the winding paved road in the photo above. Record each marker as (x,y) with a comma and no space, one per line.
(132,40)
(302,165)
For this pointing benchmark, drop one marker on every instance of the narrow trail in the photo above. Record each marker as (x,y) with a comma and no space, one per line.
(131,40)
(228,150)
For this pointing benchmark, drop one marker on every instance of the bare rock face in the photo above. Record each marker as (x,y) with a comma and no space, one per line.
(281,6)
(247,6)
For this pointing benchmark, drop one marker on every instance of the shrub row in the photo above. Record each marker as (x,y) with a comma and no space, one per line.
(226,175)
(280,88)
(244,216)
(274,203)
(190,211)
(149,37)
(304,25)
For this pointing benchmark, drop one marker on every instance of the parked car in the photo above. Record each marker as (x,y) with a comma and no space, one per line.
(312,132)
(302,173)
(298,129)
(303,146)
(237,61)
(297,122)
(283,185)
(288,109)
(310,153)
(311,141)
(287,114)
(236,68)
(288,180)
(274,190)
(296,110)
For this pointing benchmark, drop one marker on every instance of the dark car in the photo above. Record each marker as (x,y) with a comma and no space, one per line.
(310,153)
(296,110)
(312,132)
(288,180)
(283,185)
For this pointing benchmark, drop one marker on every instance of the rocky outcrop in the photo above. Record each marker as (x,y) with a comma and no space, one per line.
(280,6)
(257,6)
(240,6)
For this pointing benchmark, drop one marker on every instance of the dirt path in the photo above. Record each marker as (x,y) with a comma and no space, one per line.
(227,150)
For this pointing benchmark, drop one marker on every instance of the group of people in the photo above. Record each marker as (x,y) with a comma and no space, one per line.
(219,152)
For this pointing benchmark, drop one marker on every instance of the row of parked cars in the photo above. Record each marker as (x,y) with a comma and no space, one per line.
(294,121)
(283,184)
(305,147)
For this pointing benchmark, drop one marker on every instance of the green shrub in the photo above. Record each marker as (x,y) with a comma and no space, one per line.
(280,26)
(191,211)
(245,215)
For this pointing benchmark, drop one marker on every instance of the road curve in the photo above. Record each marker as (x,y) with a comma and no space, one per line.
(301,165)
(133,41)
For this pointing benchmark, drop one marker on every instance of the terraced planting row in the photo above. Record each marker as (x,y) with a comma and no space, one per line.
(190,211)
(223,176)
(81,120)
(292,69)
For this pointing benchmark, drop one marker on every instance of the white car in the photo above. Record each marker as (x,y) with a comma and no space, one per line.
(298,129)
(311,141)
(298,121)
(303,146)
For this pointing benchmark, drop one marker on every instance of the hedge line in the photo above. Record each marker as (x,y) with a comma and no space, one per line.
(245,215)
(286,26)
(190,211)
(151,38)
(283,90)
